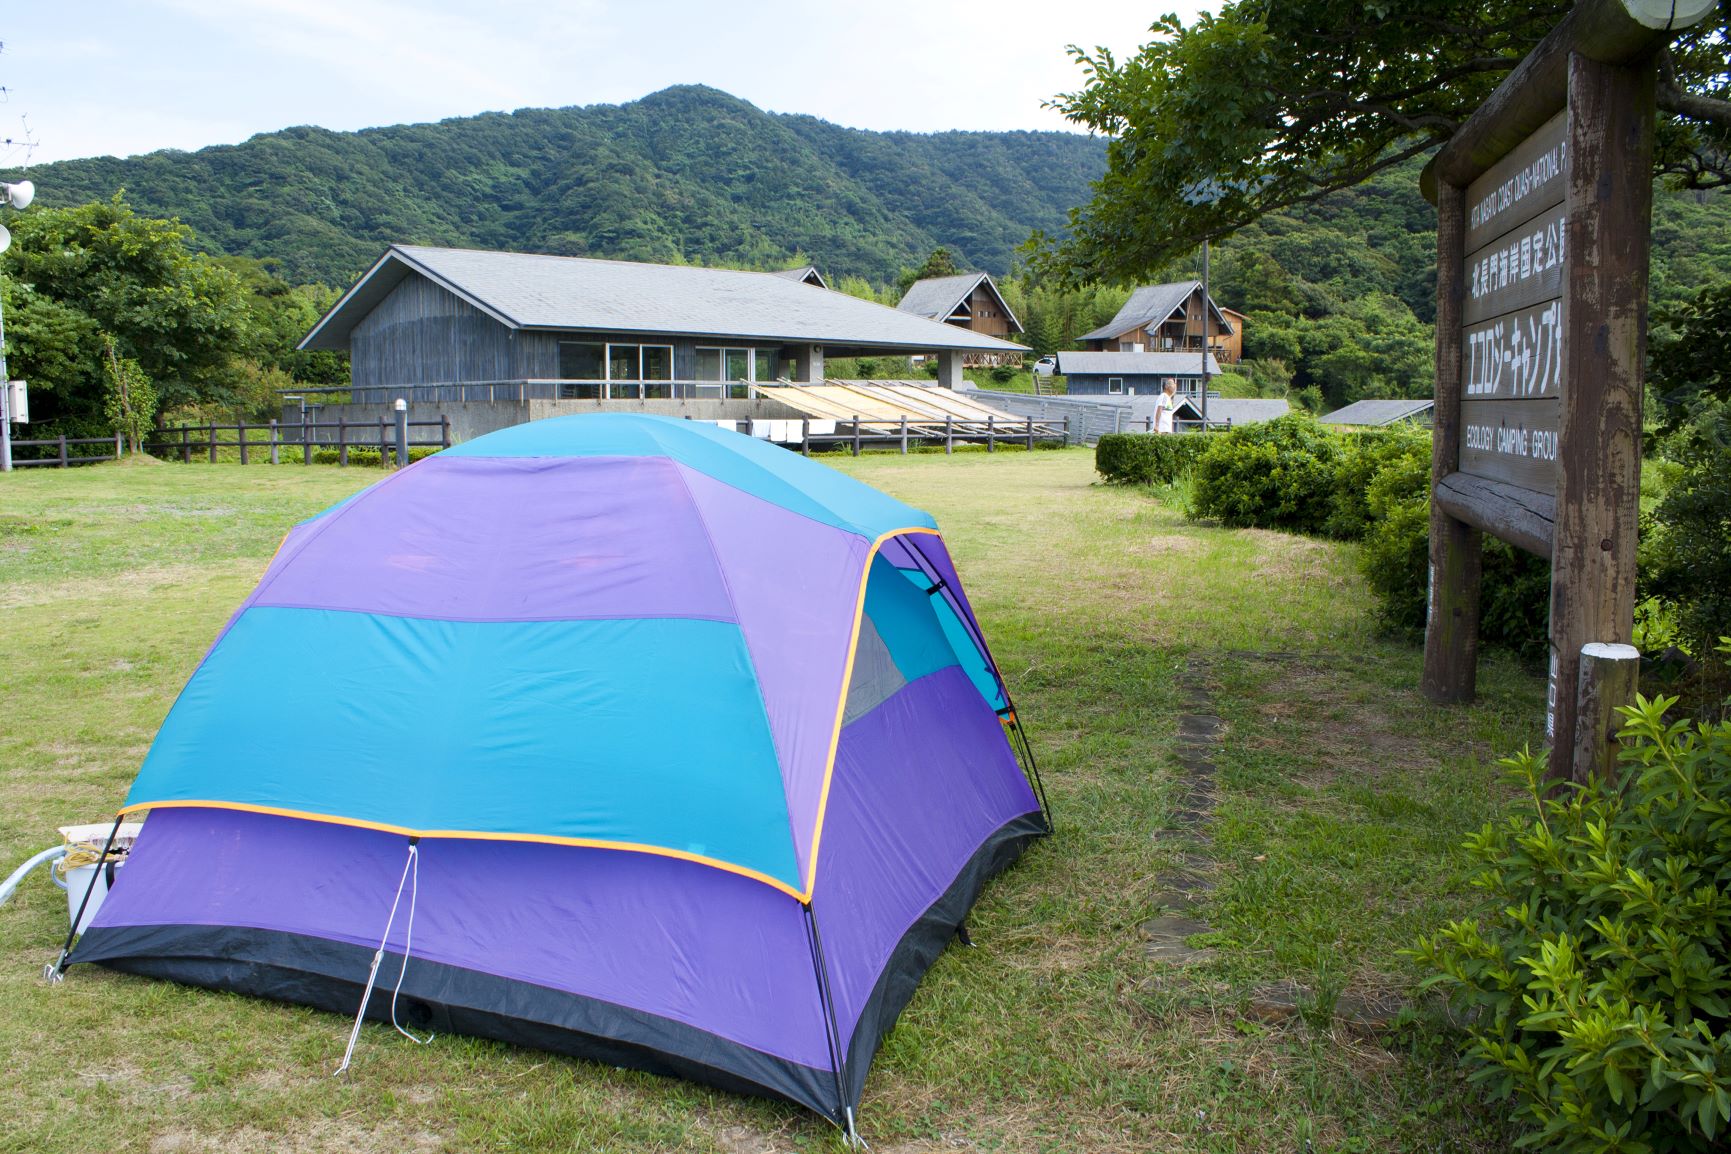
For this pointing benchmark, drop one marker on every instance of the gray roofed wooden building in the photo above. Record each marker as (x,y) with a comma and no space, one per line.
(1167,318)
(1411,411)
(1132,374)
(969,300)
(603,329)
(807,274)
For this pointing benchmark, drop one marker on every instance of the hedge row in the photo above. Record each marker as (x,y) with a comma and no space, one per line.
(1147,459)
(366,458)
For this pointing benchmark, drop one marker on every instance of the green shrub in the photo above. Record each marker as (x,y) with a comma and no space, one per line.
(368,458)
(1597,980)
(1514,591)
(1147,459)
(1364,454)
(1279,474)
(1688,550)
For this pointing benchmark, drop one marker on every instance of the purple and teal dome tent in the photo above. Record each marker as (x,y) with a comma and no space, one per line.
(688,751)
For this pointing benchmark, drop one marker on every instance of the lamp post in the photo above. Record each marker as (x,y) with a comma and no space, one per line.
(18,195)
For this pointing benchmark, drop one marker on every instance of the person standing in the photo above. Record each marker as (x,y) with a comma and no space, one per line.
(1166,407)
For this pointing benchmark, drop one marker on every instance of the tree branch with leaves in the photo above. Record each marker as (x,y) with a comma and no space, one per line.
(1273,103)
(130,400)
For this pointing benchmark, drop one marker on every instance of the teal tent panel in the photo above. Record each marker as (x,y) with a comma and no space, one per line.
(902,614)
(959,641)
(544,729)
(754,466)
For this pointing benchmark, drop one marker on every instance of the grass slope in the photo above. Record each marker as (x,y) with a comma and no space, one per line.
(1343,796)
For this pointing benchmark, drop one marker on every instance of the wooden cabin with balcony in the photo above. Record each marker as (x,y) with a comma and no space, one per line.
(1168,318)
(465,325)
(970,301)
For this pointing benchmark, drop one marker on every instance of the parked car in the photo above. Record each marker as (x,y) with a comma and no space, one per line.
(1046,366)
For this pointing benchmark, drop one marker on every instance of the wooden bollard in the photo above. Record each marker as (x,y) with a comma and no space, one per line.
(240,436)
(275,443)
(1608,677)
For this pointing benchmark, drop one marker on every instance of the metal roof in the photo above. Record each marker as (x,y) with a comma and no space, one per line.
(529,291)
(1246,410)
(938,297)
(1135,364)
(1379,412)
(1152,304)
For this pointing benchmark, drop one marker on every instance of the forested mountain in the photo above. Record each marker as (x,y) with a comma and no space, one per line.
(686,174)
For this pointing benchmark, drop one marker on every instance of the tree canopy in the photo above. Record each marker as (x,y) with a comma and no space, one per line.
(100,284)
(1272,103)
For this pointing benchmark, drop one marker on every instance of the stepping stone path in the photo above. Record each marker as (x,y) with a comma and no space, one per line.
(1166,938)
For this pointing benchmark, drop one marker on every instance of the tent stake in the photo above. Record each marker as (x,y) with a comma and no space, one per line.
(373,970)
(57,971)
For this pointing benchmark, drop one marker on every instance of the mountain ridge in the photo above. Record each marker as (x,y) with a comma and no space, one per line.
(687,174)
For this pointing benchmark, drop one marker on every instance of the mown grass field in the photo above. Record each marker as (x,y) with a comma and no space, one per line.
(1342,799)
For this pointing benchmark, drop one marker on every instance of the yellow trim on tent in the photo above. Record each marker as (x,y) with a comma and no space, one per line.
(841,704)
(477,835)
(804,897)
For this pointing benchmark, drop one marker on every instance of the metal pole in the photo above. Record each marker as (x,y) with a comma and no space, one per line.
(904,435)
(1205,334)
(5,405)
(54,972)
(402,408)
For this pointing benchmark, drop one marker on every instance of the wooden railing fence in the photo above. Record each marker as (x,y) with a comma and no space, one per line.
(308,437)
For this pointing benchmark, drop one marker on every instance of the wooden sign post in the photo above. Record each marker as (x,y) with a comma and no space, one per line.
(1544,205)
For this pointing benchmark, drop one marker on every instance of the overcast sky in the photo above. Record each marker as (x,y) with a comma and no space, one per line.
(96,77)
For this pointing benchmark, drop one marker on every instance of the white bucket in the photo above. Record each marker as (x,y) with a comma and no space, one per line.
(77,881)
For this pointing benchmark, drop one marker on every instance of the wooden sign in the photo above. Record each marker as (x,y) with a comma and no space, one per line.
(1520,185)
(1544,200)
(1518,269)
(1511,441)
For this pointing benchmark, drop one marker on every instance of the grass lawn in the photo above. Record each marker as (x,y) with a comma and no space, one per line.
(1342,797)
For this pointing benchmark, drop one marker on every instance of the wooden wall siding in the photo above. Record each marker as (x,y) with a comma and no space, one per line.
(422,334)
(988,316)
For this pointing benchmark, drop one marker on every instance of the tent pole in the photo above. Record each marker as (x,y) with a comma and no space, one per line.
(832,1031)
(1030,768)
(57,971)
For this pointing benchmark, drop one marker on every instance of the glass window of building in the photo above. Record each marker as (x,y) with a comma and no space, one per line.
(580,361)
